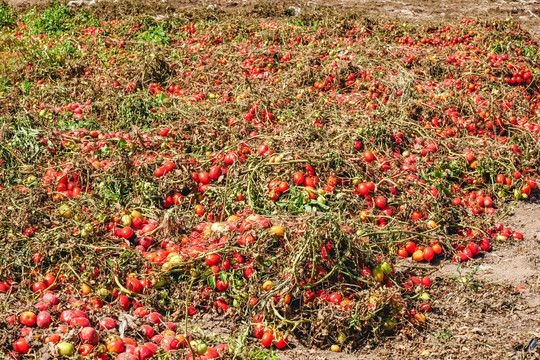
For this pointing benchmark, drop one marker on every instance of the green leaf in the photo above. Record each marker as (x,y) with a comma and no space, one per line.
(211,281)
(222,276)
(121,144)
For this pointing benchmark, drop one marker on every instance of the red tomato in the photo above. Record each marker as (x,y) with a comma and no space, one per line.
(485,245)
(418,255)
(215,172)
(403,253)
(85,349)
(199,210)
(28,318)
(363,189)
(281,343)
(21,346)
(283,186)
(426,281)
(204,177)
(222,286)
(334,298)
(410,246)
(126,232)
(473,248)
(258,331)
(168,166)
(380,202)
(310,181)
(39,286)
(267,338)
(298,178)
(332,181)
(159,172)
(429,254)
(437,249)
(115,346)
(262,149)
(371,186)
(368,156)
(212,259)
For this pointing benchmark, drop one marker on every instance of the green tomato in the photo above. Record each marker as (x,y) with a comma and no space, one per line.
(30,180)
(160,283)
(89,228)
(386,269)
(389,324)
(103,292)
(85,234)
(65,211)
(378,274)
(126,220)
(65,349)
(202,348)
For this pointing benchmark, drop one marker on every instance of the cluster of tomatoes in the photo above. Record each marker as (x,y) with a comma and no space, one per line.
(63,184)
(101,337)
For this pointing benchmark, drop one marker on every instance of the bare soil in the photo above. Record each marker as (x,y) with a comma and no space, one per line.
(527,12)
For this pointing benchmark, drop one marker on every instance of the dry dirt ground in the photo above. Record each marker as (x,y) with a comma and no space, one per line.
(527,12)
(488,308)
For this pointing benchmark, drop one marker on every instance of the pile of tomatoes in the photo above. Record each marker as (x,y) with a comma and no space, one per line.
(265,173)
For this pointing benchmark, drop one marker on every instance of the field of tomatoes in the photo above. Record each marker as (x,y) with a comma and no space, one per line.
(265,168)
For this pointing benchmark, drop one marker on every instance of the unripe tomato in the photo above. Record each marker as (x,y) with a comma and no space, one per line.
(277,230)
(378,274)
